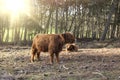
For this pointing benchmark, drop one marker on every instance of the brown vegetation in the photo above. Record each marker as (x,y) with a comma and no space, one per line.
(51,43)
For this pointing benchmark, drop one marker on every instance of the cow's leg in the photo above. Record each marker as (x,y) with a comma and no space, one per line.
(51,58)
(57,57)
(38,56)
(33,52)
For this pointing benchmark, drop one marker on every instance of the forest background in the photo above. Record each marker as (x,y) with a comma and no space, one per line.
(86,19)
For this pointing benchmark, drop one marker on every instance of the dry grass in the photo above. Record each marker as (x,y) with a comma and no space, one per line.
(86,64)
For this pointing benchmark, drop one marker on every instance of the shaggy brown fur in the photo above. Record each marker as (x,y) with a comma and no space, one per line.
(71,47)
(51,43)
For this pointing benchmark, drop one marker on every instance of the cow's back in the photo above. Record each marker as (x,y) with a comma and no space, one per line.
(48,42)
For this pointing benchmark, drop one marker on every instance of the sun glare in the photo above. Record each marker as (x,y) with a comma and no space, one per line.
(14,6)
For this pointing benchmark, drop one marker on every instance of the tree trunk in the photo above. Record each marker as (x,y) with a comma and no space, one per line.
(56,24)
(48,21)
(108,21)
(115,22)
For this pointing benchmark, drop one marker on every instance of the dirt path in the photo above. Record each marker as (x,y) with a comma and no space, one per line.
(86,64)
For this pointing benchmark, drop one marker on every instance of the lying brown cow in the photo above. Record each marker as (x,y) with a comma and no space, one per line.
(71,47)
(51,43)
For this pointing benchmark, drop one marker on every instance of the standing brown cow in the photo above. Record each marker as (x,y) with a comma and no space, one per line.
(51,43)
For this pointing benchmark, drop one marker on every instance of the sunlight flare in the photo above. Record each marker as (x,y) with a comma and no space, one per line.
(14,6)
